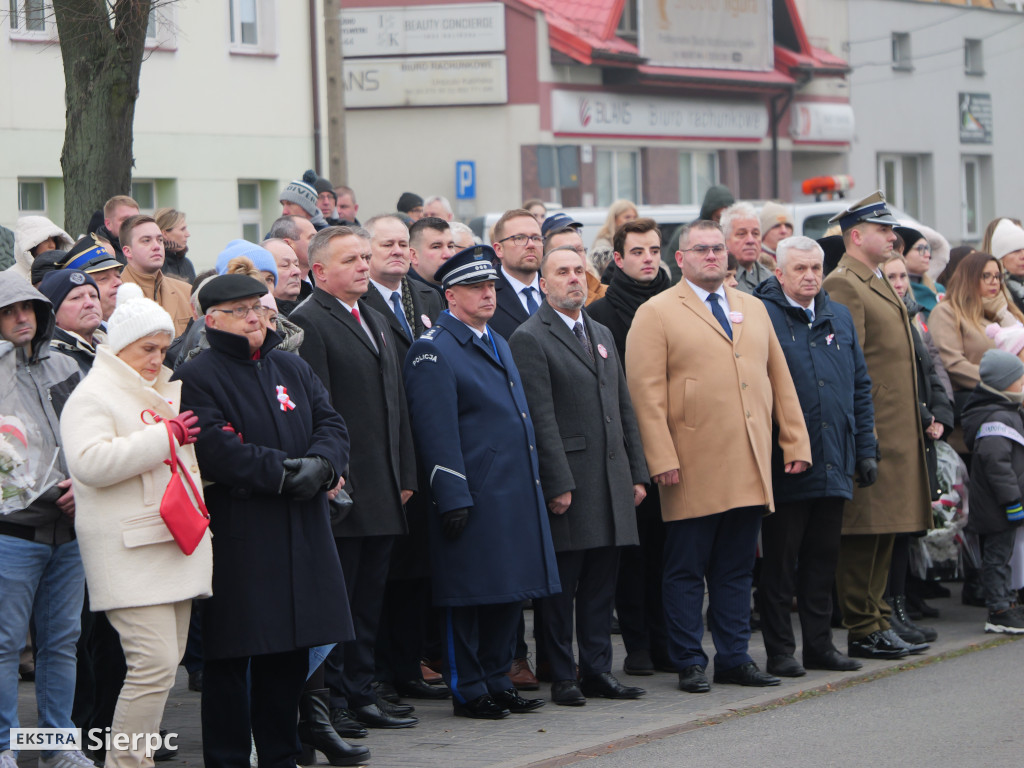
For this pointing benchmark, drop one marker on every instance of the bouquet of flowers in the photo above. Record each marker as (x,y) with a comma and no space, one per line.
(15,480)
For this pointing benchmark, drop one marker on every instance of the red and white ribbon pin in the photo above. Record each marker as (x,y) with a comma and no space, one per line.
(284,400)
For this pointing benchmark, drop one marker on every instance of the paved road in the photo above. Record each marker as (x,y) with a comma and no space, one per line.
(557,736)
(961,712)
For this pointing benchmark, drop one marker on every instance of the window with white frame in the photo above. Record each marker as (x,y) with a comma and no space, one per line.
(618,175)
(32,20)
(144,193)
(628,20)
(161,28)
(901,58)
(698,171)
(249,214)
(252,24)
(899,176)
(31,196)
(977,195)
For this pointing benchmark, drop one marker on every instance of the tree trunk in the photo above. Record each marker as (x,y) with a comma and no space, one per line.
(102,50)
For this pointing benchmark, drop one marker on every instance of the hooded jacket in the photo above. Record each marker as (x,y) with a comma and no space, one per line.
(29,232)
(997,461)
(35,382)
(834,388)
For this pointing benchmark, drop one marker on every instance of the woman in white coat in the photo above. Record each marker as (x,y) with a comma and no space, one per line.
(115,450)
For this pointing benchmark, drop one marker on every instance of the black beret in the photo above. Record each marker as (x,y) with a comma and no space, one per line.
(224,288)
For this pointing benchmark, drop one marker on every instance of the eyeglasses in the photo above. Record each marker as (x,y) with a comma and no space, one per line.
(702,250)
(243,312)
(522,239)
(922,248)
(988,277)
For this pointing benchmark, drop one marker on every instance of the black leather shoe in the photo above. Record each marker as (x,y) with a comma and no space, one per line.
(830,659)
(746,674)
(693,679)
(912,648)
(784,665)
(421,689)
(605,685)
(638,663)
(567,693)
(373,716)
(513,702)
(346,726)
(480,708)
(876,646)
(395,710)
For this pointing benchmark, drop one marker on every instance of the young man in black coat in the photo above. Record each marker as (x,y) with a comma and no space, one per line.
(353,351)
(272,450)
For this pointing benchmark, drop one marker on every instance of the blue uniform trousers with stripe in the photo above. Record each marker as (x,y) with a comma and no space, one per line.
(479,640)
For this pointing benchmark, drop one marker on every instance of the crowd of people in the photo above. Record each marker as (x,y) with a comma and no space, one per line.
(327,475)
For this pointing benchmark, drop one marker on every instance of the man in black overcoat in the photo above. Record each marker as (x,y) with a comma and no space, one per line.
(352,349)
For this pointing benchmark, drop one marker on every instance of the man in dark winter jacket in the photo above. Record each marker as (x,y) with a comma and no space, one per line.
(271,446)
(116,211)
(76,304)
(994,433)
(40,568)
(801,540)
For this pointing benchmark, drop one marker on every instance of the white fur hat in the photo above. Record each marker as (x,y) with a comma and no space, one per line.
(135,317)
(1006,238)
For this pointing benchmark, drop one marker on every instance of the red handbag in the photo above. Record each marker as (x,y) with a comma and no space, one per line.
(186,523)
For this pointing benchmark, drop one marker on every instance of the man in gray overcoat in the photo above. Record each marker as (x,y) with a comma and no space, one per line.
(592,472)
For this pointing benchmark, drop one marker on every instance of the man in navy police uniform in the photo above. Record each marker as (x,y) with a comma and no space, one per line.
(490,542)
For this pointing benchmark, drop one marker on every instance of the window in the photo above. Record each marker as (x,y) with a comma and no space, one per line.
(974,62)
(899,176)
(31,196)
(901,51)
(249,210)
(252,24)
(161,30)
(628,19)
(618,175)
(32,20)
(697,172)
(144,193)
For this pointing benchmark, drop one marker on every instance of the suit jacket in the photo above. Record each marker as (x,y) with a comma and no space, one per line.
(900,501)
(476,442)
(705,403)
(365,386)
(425,303)
(587,438)
(509,313)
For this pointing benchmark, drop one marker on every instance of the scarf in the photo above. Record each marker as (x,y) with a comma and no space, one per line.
(625,295)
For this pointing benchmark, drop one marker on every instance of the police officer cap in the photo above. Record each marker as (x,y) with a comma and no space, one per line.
(89,256)
(871,209)
(224,288)
(556,222)
(470,265)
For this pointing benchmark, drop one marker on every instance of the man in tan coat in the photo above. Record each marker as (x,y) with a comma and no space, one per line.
(707,374)
(899,502)
(143,248)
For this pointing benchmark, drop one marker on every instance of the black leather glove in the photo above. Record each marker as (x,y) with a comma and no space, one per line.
(453,522)
(304,478)
(867,472)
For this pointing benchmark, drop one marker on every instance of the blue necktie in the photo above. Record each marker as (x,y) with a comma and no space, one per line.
(531,303)
(396,304)
(810,315)
(719,313)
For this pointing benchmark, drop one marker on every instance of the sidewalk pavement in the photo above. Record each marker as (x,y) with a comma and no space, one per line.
(555,736)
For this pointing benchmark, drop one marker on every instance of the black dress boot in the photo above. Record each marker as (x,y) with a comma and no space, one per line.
(316,732)
(899,608)
(906,633)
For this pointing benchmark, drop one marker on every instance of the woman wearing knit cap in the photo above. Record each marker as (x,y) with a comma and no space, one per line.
(115,434)
(1008,246)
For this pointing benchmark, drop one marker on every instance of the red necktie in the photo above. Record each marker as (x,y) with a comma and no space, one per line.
(355,314)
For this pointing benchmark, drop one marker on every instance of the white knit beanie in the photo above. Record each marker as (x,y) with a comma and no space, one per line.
(135,317)
(1006,238)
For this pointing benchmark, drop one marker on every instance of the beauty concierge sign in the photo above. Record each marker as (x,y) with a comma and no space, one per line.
(715,34)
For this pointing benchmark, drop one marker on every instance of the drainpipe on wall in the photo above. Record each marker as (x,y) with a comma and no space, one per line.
(314,79)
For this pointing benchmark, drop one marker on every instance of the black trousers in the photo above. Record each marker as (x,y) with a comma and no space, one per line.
(638,601)
(800,548)
(267,707)
(479,641)
(403,627)
(588,585)
(350,666)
